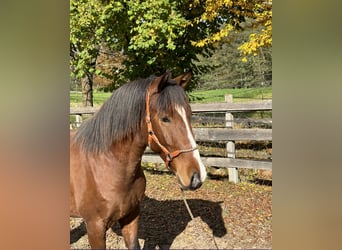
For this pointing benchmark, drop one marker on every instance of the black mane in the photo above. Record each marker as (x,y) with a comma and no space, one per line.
(121,116)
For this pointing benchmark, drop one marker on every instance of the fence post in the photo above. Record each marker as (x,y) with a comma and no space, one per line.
(78,120)
(230,147)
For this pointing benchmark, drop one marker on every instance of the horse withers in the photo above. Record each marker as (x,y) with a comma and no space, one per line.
(107,183)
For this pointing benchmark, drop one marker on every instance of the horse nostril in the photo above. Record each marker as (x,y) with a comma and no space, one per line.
(195,181)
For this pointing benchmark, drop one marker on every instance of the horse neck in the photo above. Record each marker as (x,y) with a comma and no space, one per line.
(129,152)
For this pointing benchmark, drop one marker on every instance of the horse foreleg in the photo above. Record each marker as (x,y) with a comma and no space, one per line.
(96,230)
(129,230)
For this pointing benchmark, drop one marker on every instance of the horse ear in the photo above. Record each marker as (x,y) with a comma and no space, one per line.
(183,79)
(160,82)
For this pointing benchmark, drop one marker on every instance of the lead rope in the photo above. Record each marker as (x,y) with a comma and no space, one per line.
(187,206)
(192,216)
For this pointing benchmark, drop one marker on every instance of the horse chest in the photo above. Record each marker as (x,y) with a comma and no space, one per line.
(123,196)
(124,201)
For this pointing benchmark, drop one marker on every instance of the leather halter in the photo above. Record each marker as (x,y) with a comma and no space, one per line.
(169,156)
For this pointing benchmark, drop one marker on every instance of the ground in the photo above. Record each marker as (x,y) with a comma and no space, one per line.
(226,216)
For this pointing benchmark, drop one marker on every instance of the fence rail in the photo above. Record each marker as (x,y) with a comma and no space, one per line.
(265,105)
(219,162)
(228,134)
(232,107)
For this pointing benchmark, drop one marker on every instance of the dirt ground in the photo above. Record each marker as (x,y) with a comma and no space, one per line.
(226,216)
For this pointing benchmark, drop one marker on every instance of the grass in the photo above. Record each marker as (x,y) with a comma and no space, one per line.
(205,96)
(239,95)
(98,97)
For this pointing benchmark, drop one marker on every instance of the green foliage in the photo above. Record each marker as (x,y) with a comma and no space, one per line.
(159,37)
(83,43)
(158,24)
(151,35)
(91,25)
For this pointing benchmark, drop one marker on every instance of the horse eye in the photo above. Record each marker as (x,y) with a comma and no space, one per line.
(165,119)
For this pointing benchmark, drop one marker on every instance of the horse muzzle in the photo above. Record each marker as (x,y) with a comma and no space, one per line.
(195,182)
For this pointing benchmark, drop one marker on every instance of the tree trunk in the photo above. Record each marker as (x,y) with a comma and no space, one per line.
(87,90)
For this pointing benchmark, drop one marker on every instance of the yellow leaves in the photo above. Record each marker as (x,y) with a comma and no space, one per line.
(212,8)
(260,12)
(264,38)
(200,44)
(216,37)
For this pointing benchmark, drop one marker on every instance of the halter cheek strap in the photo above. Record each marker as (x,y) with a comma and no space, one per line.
(169,156)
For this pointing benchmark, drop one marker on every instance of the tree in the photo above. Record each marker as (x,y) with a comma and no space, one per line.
(150,35)
(155,35)
(84,45)
(89,31)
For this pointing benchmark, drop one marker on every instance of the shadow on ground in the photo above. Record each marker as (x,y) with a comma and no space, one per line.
(162,221)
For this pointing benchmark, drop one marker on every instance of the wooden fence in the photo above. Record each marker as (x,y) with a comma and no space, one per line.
(227,134)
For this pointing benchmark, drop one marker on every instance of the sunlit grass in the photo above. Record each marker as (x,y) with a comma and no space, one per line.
(239,95)
(205,96)
(98,98)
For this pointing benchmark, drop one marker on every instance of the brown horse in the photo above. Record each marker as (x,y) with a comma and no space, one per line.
(107,183)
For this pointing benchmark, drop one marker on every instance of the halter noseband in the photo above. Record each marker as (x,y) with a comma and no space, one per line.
(169,156)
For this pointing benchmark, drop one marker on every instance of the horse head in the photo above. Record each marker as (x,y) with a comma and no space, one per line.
(170,133)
